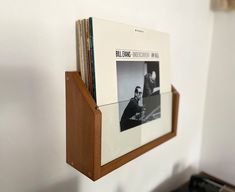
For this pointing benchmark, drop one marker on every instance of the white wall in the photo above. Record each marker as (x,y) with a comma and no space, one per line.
(37,45)
(218,147)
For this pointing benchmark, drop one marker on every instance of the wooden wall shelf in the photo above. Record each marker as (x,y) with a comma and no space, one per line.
(83,131)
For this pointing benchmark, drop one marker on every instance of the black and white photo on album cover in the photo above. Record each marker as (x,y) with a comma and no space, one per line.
(138,92)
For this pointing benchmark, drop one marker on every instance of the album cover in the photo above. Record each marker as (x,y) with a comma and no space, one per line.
(131,75)
(126,70)
(109,38)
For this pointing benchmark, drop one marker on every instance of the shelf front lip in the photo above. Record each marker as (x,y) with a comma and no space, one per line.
(116,163)
(126,101)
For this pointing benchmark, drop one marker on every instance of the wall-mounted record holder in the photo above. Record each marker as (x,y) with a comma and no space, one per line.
(99,141)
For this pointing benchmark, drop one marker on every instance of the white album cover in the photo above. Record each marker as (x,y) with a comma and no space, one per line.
(132,73)
(110,36)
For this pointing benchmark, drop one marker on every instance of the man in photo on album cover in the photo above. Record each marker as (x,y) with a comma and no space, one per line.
(133,112)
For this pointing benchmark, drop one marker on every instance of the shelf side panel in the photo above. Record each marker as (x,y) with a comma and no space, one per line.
(175,108)
(81,127)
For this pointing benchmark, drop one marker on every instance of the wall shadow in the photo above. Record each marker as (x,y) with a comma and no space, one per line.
(178,178)
(32,135)
(70,185)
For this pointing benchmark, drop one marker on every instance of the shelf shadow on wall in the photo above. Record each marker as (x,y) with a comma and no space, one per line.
(70,185)
(178,178)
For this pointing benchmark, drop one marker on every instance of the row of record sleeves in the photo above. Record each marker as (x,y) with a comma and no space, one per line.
(85,53)
(99,43)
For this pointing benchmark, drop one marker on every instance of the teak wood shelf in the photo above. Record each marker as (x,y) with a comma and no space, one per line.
(83,131)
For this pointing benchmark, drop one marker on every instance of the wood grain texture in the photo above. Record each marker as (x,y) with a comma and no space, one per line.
(82,127)
(175,108)
(83,131)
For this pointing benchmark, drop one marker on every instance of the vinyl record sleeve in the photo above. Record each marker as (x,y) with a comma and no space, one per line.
(108,37)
